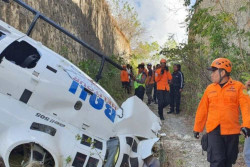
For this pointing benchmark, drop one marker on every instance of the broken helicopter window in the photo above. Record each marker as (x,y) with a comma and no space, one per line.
(21,54)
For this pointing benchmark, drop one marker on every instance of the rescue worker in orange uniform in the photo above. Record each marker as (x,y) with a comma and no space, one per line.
(125,79)
(163,78)
(219,111)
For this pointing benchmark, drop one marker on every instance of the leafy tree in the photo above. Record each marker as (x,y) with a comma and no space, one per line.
(127,19)
(144,52)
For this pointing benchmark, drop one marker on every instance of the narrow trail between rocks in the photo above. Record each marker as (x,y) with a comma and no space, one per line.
(181,149)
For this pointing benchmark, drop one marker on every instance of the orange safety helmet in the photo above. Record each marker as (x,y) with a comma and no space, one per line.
(163,61)
(221,63)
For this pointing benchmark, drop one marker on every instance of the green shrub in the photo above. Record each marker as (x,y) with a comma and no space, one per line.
(110,80)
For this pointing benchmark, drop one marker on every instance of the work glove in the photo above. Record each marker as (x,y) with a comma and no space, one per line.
(245,131)
(162,71)
(196,135)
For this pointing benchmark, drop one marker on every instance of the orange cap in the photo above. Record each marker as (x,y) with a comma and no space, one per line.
(222,63)
(163,61)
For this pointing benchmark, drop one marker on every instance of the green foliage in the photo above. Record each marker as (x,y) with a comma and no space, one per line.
(242,140)
(210,37)
(143,52)
(110,80)
(68,159)
(78,137)
(245,77)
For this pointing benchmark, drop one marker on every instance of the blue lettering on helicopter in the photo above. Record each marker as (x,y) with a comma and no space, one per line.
(95,101)
(110,112)
(99,104)
(73,87)
(83,94)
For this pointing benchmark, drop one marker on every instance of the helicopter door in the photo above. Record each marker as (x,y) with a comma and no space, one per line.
(20,69)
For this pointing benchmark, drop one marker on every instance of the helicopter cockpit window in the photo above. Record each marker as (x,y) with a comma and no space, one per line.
(2,35)
(21,54)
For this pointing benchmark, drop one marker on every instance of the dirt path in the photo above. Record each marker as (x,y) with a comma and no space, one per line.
(181,149)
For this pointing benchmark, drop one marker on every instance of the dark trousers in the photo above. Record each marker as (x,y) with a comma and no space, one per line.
(149,89)
(163,101)
(175,99)
(139,92)
(155,92)
(222,149)
(125,85)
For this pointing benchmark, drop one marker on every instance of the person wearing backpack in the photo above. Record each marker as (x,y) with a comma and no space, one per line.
(219,111)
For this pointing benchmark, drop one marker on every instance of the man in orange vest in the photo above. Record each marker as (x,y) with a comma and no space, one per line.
(219,110)
(162,78)
(149,83)
(125,79)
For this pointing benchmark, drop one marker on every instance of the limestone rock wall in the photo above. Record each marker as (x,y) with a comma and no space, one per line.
(90,20)
(241,17)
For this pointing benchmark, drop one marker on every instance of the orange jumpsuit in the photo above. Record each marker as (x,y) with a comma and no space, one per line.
(220,106)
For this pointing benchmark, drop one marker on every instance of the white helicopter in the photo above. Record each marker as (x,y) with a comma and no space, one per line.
(53,115)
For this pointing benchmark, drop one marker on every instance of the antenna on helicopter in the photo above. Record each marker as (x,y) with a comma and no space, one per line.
(38,15)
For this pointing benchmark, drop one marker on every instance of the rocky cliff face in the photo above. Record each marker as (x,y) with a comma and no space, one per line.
(90,20)
(240,11)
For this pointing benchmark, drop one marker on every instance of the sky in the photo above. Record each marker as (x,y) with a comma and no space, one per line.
(162,18)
